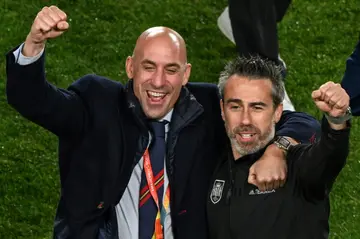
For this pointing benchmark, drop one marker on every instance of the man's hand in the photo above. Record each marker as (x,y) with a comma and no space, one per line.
(50,22)
(269,172)
(332,99)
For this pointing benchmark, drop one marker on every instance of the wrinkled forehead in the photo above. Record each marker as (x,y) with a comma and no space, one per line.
(248,90)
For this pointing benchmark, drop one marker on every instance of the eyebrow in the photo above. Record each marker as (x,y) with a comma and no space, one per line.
(173,64)
(252,104)
(146,61)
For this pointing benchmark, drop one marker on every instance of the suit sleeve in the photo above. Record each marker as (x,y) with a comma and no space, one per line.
(60,111)
(321,162)
(351,80)
(299,126)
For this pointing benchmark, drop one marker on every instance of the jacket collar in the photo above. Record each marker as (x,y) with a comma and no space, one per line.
(134,106)
(186,109)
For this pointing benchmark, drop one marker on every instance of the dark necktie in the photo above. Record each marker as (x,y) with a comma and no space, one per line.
(148,208)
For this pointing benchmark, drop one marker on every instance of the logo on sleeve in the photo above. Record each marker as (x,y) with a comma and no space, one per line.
(258,192)
(217,191)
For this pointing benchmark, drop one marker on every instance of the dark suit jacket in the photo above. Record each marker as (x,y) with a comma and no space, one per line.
(103,133)
(351,80)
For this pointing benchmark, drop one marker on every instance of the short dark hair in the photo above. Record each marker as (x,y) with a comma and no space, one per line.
(255,68)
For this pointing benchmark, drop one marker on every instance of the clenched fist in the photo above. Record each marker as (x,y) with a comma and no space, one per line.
(332,99)
(50,22)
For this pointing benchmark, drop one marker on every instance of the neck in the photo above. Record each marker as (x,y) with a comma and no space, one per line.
(236,153)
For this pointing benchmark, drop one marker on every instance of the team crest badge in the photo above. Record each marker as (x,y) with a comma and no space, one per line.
(217,190)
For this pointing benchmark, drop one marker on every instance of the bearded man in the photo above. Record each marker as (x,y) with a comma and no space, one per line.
(252,93)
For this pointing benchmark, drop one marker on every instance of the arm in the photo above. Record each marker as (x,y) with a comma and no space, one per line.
(60,111)
(270,171)
(299,126)
(351,80)
(321,162)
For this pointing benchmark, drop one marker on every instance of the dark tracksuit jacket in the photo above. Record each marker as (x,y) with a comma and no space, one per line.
(299,210)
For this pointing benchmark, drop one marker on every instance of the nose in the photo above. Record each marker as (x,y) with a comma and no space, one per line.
(159,79)
(245,117)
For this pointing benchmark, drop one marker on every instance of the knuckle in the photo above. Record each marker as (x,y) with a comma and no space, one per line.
(46,28)
(261,180)
(269,180)
(44,11)
(40,15)
(53,8)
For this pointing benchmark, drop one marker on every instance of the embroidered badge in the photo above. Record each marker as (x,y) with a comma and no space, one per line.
(217,190)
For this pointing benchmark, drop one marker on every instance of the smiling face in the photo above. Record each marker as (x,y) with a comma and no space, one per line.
(159,70)
(249,114)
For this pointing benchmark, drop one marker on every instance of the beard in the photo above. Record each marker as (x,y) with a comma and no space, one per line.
(245,148)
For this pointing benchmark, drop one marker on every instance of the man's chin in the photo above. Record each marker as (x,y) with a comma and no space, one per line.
(155,113)
(245,149)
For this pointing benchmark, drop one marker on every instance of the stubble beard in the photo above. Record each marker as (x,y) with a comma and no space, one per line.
(252,147)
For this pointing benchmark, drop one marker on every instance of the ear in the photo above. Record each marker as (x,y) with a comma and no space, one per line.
(129,66)
(278,112)
(222,109)
(186,74)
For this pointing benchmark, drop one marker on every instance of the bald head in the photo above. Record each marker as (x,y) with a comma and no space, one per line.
(159,70)
(163,36)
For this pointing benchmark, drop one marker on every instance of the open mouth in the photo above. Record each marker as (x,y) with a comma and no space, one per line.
(155,96)
(246,137)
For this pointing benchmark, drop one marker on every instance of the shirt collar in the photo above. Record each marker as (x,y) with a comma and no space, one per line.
(167,117)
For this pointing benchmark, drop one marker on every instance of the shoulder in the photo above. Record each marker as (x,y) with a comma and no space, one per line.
(206,94)
(198,88)
(92,83)
(301,118)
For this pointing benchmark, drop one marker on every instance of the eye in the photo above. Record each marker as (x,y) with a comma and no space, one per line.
(171,71)
(258,108)
(149,68)
(234,107)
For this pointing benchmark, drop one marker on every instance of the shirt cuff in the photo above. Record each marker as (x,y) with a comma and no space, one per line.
(25,60)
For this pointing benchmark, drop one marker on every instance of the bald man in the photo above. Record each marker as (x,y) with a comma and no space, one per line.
(135,159)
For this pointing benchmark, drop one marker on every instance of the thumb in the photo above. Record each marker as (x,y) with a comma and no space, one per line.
(323,106)
(60,28)
(316,94)
(62,25)
(336,112)
(252,179)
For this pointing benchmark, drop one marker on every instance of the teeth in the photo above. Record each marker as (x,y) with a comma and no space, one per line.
(156,94)
(246,135)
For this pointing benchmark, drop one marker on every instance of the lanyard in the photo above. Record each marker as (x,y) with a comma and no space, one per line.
(158,234)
